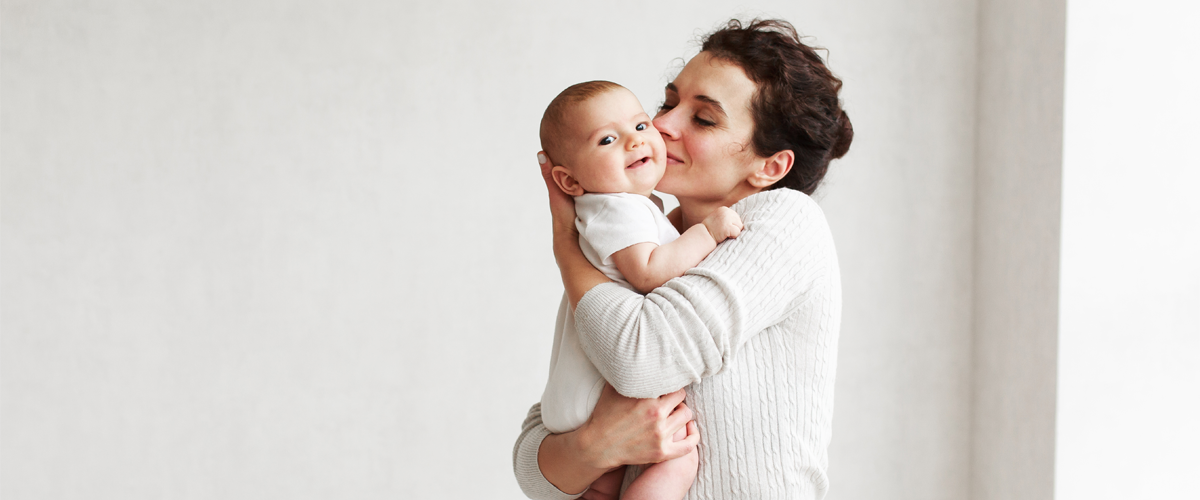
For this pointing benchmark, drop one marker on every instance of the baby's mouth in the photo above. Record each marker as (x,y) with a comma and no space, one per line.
(639,163)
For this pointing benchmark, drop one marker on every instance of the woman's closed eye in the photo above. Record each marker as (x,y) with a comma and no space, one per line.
(664,108)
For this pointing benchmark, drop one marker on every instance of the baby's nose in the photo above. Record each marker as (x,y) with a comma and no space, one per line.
(634,143)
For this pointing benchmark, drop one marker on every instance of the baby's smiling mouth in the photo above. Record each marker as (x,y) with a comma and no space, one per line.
(639,163)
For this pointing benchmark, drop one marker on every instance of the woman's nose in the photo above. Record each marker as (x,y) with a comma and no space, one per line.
(665,123)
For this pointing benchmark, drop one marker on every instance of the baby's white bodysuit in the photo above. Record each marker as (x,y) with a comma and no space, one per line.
(607,223)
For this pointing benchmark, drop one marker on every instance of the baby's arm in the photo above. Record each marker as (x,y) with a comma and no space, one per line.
(647,266)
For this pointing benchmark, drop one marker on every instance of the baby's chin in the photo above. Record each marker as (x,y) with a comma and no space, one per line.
(656,173)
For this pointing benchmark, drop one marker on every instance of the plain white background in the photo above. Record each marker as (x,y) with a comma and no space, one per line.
(266,249)
(1129,342)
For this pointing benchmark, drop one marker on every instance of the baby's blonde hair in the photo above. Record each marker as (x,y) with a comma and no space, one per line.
(555,119)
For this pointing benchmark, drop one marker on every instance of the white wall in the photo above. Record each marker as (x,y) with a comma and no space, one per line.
(1129,351)
(267,249)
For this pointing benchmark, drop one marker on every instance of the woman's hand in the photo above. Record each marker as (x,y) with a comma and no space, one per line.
(562,206)
(620,431)
(578,274)
(625,430)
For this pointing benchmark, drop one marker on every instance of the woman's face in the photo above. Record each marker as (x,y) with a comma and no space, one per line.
(706,124)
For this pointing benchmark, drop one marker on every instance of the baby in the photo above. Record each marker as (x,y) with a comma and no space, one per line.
(609,156)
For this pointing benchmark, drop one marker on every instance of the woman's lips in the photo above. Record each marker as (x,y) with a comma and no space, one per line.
(673,159)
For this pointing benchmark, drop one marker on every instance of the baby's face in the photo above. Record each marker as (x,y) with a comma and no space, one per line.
(615,147)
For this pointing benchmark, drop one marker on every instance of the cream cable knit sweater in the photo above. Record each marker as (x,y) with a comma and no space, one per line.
(751,332)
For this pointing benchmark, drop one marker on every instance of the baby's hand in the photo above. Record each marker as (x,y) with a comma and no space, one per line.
(723,223)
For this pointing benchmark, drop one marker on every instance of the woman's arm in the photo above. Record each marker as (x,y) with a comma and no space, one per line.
(686,330)
(567,468)
(578,274)
(621,431)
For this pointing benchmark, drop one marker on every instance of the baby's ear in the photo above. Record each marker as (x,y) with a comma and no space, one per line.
(566,181)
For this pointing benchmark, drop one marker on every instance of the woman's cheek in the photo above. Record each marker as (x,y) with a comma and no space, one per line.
(702,159)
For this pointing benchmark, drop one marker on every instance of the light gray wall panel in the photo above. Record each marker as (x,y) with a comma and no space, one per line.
(1017,206)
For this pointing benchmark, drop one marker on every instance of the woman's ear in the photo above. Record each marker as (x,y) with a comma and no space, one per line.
(774,168)
(566,182)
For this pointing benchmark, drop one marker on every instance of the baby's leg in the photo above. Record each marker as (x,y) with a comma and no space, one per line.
(607,487)
(668,480)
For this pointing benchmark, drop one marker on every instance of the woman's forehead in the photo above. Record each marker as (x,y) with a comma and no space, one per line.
(711,78)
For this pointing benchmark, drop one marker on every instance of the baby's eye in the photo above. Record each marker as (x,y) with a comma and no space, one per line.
(608,139)
(640,127)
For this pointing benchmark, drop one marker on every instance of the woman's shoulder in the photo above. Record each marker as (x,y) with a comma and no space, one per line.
(781,204)
(784,218)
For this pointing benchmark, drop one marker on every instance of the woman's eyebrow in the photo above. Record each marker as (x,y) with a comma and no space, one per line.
(702,98)
(715,103)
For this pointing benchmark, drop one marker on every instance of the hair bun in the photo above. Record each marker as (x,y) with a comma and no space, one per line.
(845,134)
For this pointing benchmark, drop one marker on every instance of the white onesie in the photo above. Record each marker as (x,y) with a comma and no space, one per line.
(607,223)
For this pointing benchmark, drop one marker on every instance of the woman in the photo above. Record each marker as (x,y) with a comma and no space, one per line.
(750,123)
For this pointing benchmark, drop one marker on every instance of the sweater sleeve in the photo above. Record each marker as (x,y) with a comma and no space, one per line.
(689,328)
(525,462)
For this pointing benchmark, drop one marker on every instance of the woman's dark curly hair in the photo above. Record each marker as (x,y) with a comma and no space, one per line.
(796,104)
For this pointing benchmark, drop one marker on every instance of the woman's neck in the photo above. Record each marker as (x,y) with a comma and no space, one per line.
(693,211)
